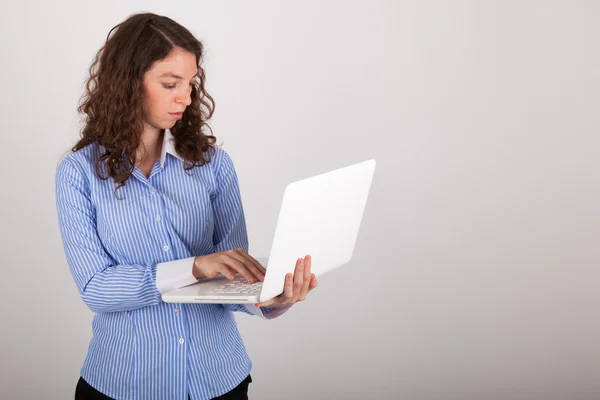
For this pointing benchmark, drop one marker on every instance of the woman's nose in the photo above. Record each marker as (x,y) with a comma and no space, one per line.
(186,98)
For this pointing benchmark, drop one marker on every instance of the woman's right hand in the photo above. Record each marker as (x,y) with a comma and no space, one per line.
(228,263)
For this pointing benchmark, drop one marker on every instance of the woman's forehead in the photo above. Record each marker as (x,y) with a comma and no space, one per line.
(177,64)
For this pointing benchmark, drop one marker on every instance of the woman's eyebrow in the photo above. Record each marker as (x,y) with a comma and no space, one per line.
(172,75)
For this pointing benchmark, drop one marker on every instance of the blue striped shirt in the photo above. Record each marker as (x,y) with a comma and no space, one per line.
(141,347)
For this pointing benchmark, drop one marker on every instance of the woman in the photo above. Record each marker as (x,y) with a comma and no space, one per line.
(147,203)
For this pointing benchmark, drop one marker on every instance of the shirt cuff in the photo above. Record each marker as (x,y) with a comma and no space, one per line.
(171,275)
(255,310)
(266,312)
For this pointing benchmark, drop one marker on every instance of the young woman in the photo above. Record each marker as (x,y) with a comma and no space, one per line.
(147,203)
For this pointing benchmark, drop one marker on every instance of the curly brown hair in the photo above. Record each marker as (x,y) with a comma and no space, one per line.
(113,98)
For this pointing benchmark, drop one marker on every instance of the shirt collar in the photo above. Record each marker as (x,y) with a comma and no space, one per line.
(168,146)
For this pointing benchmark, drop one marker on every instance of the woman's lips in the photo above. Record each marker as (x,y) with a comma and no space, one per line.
(176,115)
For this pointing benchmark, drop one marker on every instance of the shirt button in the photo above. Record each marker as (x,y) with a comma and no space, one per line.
(158,218)
(181,341)
(152,191)
(177,311)
(166,248)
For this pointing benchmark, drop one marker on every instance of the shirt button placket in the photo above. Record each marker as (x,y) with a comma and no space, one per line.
(158,218)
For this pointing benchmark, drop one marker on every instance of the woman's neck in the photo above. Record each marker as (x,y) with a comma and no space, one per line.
(150,145)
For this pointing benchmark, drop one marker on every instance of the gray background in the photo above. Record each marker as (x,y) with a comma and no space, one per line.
(479,240)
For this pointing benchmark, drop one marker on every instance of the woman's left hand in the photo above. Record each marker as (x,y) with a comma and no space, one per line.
(296,288)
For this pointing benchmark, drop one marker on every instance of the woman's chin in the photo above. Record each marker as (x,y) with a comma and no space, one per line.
(168,125)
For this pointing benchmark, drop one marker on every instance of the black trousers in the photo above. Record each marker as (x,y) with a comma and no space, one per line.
(84,391)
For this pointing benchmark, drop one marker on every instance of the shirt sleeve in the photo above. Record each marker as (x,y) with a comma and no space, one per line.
(171,275)
(262,312)
(104,285)
(230,225)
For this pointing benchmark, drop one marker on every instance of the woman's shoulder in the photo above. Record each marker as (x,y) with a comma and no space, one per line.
(221,162)
(82,160)
(219,155)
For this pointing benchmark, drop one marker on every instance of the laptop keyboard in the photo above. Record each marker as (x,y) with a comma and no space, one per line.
(238,287)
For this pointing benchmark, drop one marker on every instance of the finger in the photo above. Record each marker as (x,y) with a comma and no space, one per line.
(307,277)
(288,290)
(258,270)
(284,298)
(226,272)
(235,264)
(267,303)
(257,263)
(298,278)
(305,286)
(241,256)
(313,282)
(305,289)
(307,266)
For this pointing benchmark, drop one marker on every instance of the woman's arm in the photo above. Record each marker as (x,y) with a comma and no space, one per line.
(230,224)
(103,284)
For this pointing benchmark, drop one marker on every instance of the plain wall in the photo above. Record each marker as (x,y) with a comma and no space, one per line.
(476,273)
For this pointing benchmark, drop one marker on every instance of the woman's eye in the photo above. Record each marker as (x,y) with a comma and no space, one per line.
(169,86)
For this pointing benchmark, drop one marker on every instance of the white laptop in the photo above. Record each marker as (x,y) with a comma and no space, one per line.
(320,216)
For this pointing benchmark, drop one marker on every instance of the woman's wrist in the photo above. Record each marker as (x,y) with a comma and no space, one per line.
(196,270)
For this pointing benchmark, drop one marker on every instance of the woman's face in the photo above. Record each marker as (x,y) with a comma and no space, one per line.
(167,88)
